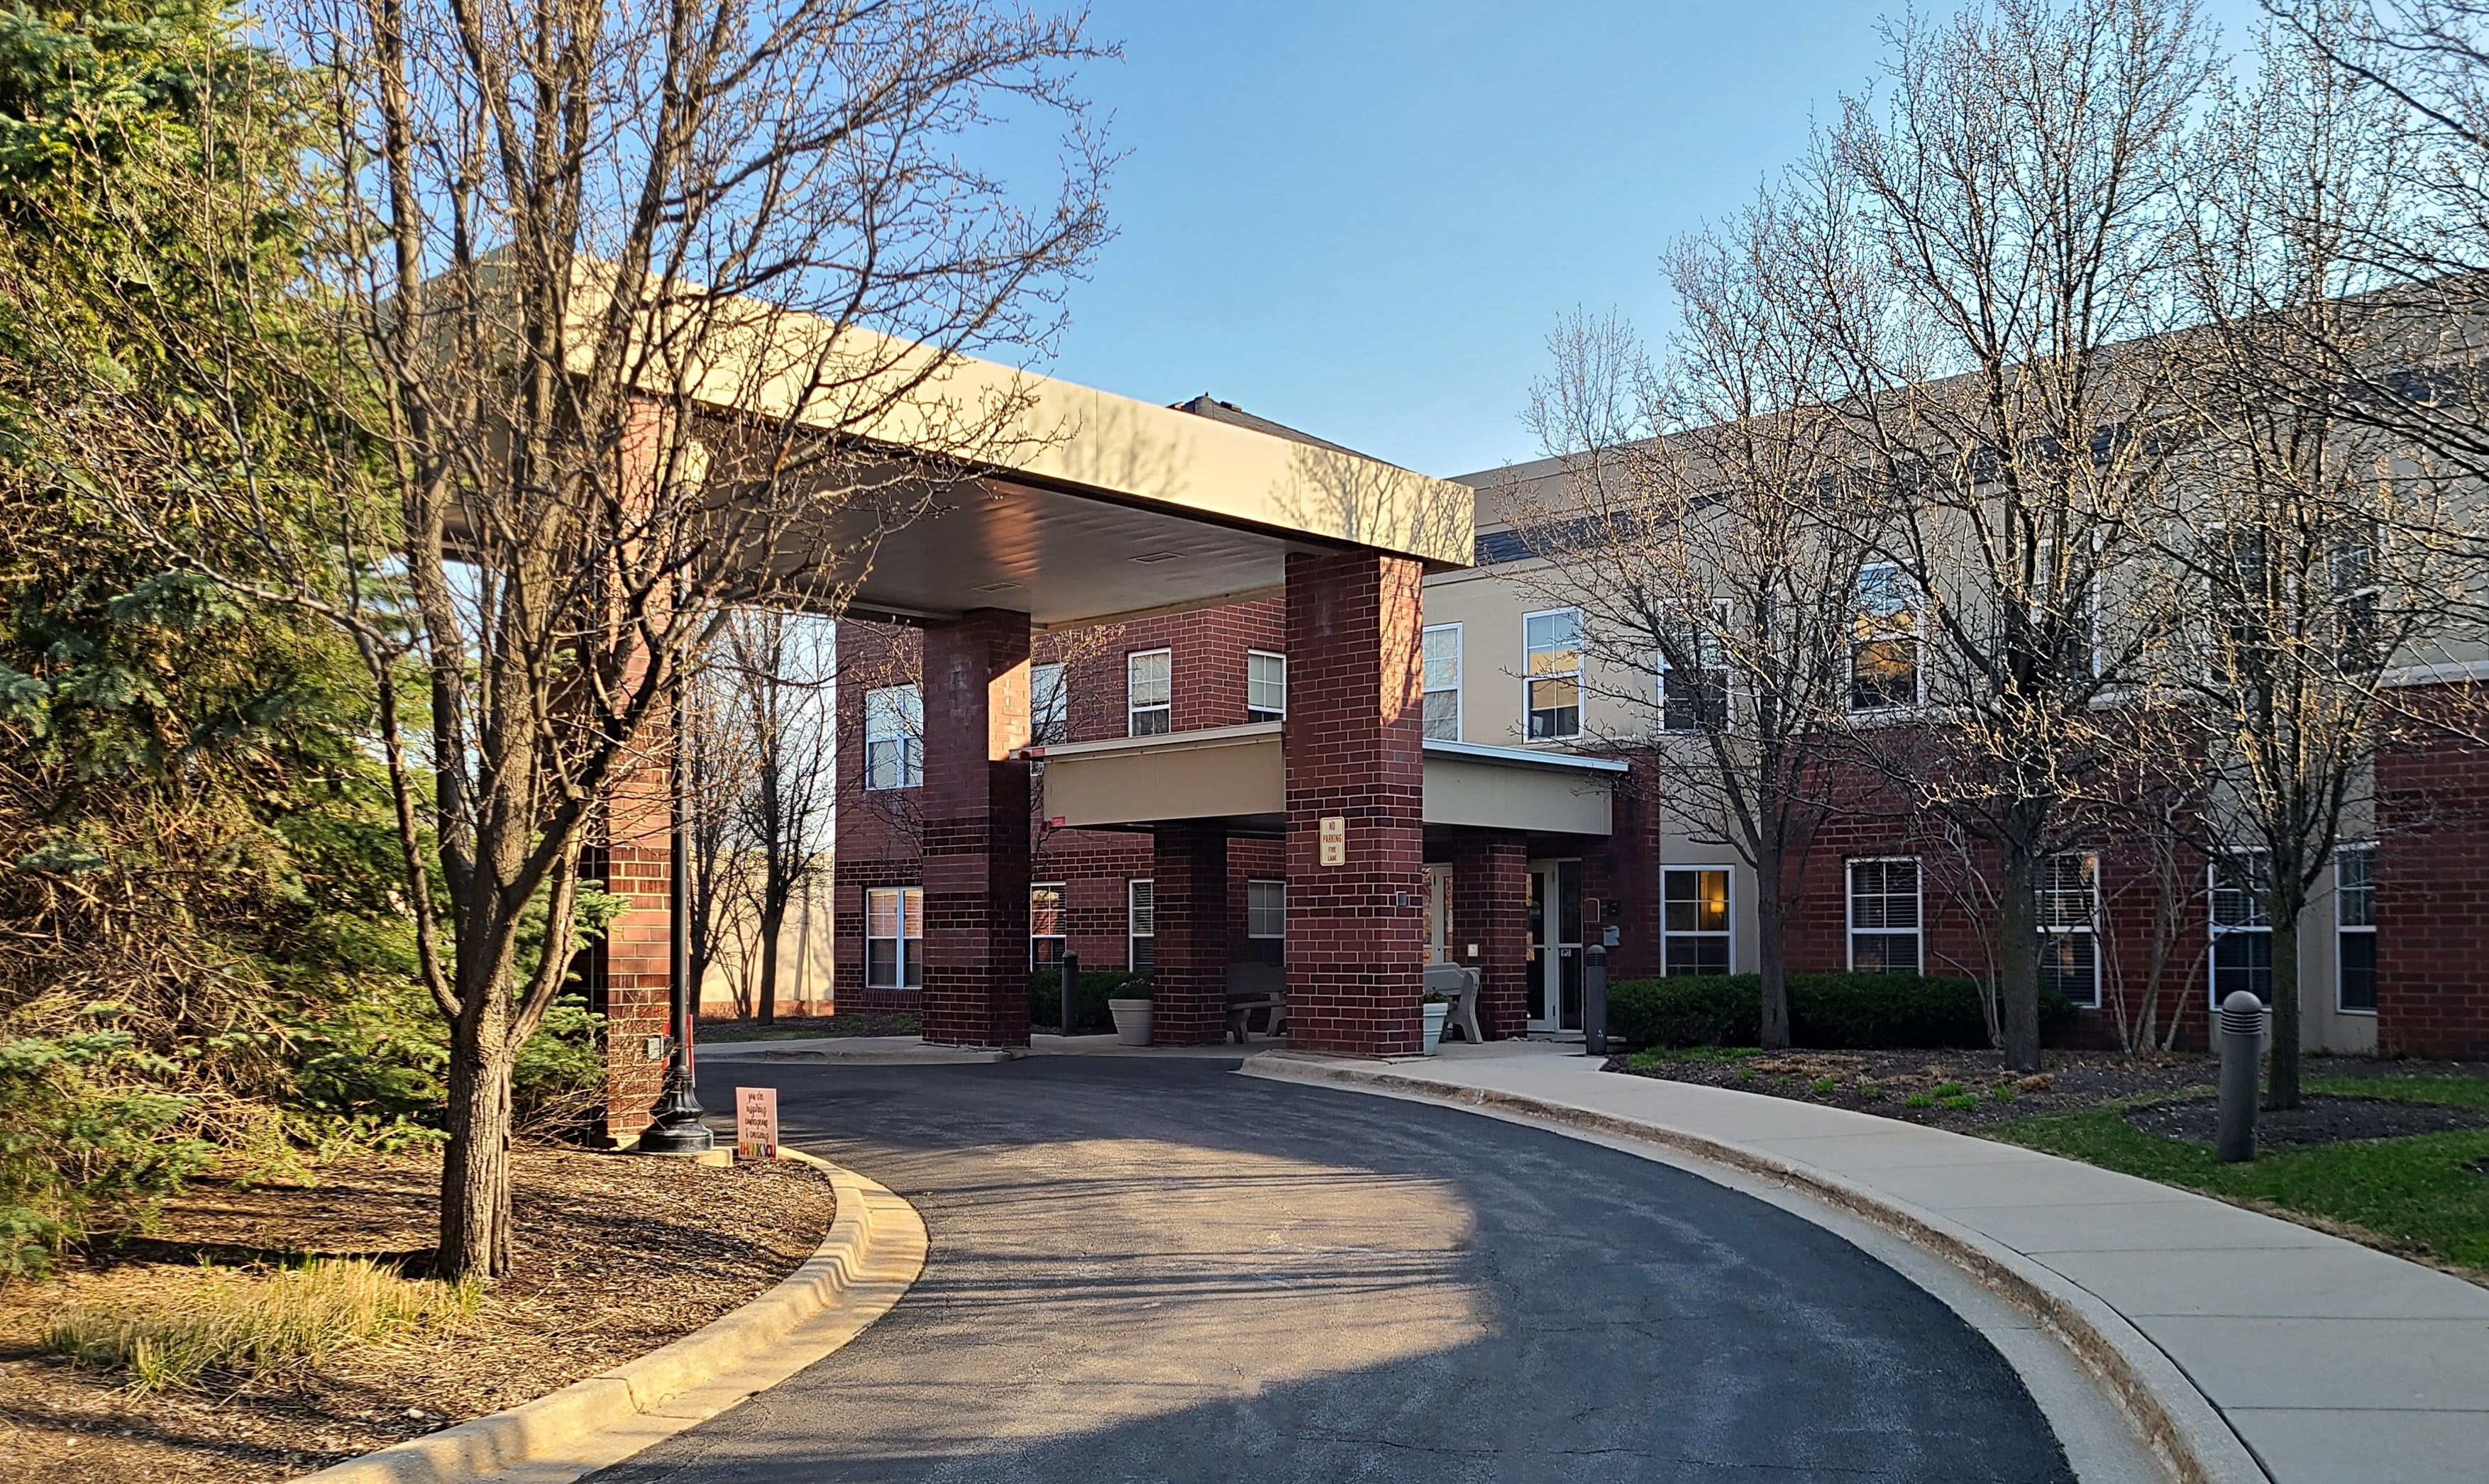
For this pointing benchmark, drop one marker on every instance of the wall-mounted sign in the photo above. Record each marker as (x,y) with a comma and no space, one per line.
(755,1123)
(1334,841)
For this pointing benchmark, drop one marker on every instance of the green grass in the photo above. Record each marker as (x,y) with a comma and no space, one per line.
(1663,1056)
(2414,1191)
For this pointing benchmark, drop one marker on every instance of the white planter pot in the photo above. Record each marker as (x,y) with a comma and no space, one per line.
(1432,1028)
(1131,1022)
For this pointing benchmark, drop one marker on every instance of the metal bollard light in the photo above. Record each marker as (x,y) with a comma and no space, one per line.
(1594,1001)
(1071,980)
(2242,1030)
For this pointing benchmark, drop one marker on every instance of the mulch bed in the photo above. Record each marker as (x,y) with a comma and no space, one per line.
(617,1256)
(858,1023)
(1881,1082)
(2320,1118)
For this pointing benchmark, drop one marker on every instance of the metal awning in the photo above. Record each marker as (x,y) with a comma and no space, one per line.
(1238,775)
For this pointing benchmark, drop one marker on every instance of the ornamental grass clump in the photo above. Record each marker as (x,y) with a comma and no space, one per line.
(253,1325)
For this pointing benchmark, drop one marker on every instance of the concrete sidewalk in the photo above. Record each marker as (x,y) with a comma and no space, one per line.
(2332,1363)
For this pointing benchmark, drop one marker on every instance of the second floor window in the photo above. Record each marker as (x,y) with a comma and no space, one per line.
(1883,641)
(1695,697)
(1442,644)
(1149,693)
(1049,707)
(894,729)
(1265,686)
(1552,643)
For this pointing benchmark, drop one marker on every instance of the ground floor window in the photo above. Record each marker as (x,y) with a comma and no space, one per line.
(894,938)
(2354,930)
(1266,922)
(1045,924)
(1884,916)
(2069,911)
(1141,899)
(2242,931)
(1694,932)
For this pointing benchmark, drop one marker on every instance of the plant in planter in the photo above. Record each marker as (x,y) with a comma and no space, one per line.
(1132,1012)
(1435,1010)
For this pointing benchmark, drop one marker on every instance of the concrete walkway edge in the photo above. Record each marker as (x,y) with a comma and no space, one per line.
(2184,1429)
(876,1248)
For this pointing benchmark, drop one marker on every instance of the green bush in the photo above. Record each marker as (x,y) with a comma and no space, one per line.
(85,1141)
(379,1067)
(1096,987)
(1859,1011)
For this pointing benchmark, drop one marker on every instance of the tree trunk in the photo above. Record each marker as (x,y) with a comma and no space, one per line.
(773,917)
(2282,1072)
(475,1173)
(2018,955)
(1772,941)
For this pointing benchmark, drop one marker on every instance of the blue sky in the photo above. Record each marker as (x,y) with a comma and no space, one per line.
(1363,216)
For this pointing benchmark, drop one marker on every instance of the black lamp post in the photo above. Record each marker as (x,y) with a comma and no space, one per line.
(677,1127)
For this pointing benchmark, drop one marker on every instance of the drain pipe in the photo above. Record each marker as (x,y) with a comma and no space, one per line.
(2242,1032)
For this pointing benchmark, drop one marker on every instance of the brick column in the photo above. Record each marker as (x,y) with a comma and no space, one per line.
(976,814)
(1356,946)
(1188,994)
(1491,908)
(2432,878)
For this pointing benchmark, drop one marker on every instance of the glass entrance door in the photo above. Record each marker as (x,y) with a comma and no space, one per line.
(1555,947)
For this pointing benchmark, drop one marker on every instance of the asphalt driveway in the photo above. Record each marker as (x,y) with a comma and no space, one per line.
(1149,1269)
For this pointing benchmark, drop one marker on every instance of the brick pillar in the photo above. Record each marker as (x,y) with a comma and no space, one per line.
(1188,994)
(2432,877)
(1357,946)
(976,829)
(1491,908)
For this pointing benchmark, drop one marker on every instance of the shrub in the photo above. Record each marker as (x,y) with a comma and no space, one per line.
(379,1065)
(255,1324)
(1096,987)
(88,1138)
(1860,1012)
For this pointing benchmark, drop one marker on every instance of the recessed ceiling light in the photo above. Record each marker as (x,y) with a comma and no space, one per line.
(1149,557)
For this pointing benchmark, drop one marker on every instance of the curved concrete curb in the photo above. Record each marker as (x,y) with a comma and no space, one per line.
(2186,1431)
(876,1248)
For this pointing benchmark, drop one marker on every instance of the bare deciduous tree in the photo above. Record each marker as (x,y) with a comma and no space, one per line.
(784,669)
(1700,530)
(644,294)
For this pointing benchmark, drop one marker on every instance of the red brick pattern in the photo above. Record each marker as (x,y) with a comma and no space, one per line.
(1356,932)
(2433,900)
(1194,943)
(1490,908)
(976,829)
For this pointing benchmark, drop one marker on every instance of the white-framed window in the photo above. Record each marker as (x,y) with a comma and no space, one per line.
(894,938)
(1884,921)
(1695,920)
(1141,925)
(1265,686)
(2242,931)
(1149,693)
(1049,707)
(2068,913)
(1045,924)
(1551,650)
(1695,698)
(1441,644)
(2351,565)
(1266,922)
(1884,640)
(894,737)
(2083,600)
(2355,928)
